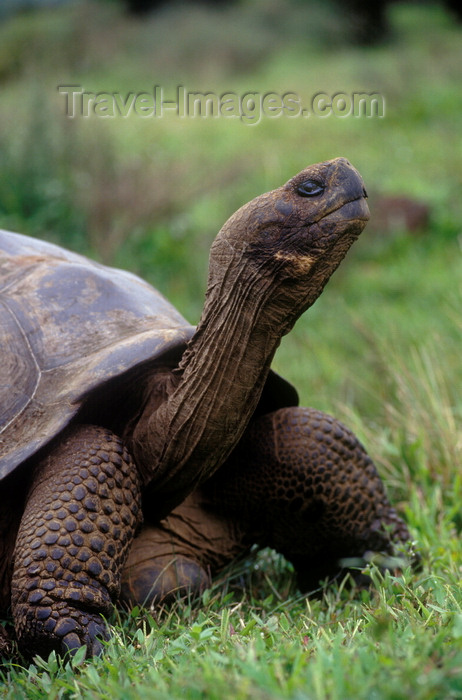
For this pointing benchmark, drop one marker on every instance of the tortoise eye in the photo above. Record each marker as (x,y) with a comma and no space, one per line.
(310,188)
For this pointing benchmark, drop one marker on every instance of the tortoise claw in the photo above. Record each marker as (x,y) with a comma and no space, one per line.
(64,630)
(90,631)
(93,638)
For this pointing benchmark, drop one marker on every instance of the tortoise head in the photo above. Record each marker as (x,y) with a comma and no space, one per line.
(295,236)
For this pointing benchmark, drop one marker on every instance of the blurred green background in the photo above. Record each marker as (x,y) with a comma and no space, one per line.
(150,193)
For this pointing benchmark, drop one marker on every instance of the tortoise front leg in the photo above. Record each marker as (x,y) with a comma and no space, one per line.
(81,515)
(302,483)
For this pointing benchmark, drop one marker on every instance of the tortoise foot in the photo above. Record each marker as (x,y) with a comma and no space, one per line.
(60,628)
(177,557)
(163,580)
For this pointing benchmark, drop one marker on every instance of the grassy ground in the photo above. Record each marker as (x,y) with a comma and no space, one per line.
(380,349)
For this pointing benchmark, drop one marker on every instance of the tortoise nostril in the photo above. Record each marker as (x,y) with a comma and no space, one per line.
(365,193)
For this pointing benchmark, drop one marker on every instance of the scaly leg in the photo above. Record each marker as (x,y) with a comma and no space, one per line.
(80,518)
(302,483)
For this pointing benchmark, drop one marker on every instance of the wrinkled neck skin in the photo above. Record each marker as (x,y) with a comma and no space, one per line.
(213,393)
(216,388)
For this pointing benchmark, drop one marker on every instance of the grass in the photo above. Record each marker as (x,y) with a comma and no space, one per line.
(380,349)
(402,639)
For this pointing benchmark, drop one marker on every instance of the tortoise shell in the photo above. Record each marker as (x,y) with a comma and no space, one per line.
(67,326)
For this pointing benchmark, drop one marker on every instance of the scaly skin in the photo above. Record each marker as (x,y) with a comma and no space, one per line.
(299,482)
(312,493)
(80,518)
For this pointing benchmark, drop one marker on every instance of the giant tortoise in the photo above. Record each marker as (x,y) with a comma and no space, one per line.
(114,411)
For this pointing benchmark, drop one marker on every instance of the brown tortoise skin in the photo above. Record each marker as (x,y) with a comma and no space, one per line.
(82,512)
(299,482)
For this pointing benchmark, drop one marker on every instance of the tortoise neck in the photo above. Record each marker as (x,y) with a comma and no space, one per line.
(213,394)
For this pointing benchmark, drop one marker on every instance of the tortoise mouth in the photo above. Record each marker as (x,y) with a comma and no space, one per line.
(339,228)
(354,209)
